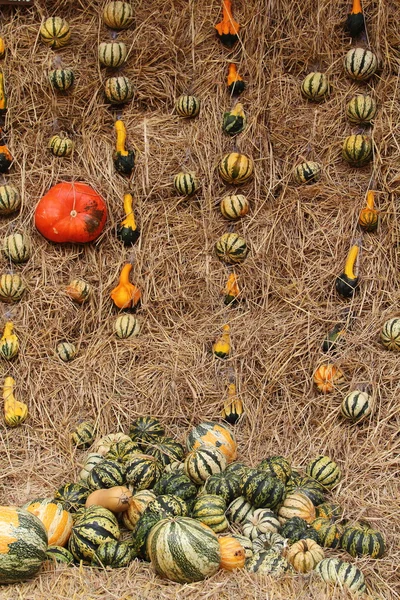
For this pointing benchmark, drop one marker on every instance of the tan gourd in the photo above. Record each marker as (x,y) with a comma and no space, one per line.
(115,498)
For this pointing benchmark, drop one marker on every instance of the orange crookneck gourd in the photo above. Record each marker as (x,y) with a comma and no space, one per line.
(222,346)
(228,28)
(355,23)
(5,155)
(234,82)
(369,216)
(126,295)
(231,290)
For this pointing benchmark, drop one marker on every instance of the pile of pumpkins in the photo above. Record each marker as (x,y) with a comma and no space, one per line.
(189,511)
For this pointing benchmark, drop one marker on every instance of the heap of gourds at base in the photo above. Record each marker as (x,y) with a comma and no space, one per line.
(252,494)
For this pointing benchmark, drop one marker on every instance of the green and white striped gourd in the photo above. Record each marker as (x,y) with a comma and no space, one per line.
(231,248)
(55,32)
(307,172)
(103,445)
(10,199)
(92,459)
(60,146)
(234,207)
(123,451)
(146,429)
(118,15)
(203,462)
(361,109)
(187,106)
(357,150)
(261,521)
(390,334)
(112,54)
(270,541)
(92,527)
(296,529)
(262,490)
(224,484)
(165,450)
(177,484)
(329,532)
(12,288)
(357,406)
(359,541)
(269,562)
(183,550)
(360,64)
(59,554)
(106,474)
(237,469)
(83,434)
(186,184)
(278,466)
(61,79)
(114,554)
(210,510)
(118,90)
(167,505)
(334,570)
(239,510)
(142,471)
(126,326)
(324,470)
(315,87)
(66,351)
(17,247)
(308,486)
(136,508)
(72,496)
(296,504)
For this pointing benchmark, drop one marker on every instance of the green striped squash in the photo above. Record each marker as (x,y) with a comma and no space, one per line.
(183,550)
(210,510)
(66,351)
(237,469)
(126,326)
(360,64)
(269,562)
(9,346)
(357,405)
(165,449)
(142,471)
(59,554)
(315,87)
(296,529)
(235,168)
(118,90)
(146,429)
(361,109)
(324,470)
(215,434)
(55,32)
(259,522)
(390,333)
(114,554)
(106,474)
(141,532)
(226,485)
(12,288)
(92,459)
(186,184)
(234,207)
(278,466)
(112,54)
(239,510)
(167,505)
(187,106)
(177,484)
(308,486)
(17,247)
(297,504)
(329,532)
(103,445)
(334,570)
(270,541)
(203,462)
(118,15)
(123,451)
(61,79)
(231,248)
(72,496)
(60,146)
(329,510)
(245,542)
(23,544)
(262,490)
(10,200)
(56,520)
(359,541)
(136,508)
(357,150)
(93,527)
(307,172)
(83,435)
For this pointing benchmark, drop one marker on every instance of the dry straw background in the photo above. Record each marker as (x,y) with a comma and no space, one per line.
(299,238)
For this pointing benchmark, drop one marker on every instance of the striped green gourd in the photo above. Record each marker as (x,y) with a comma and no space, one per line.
(55,32)
(203,462)
(234,121)
(278,466)
(177,484)
(141,532)
(360,64)
(361,109)
(237,469)
(231,248)
(106,474)
(112,54)
(114,554)
(245,542)
(118,15)
(83,434)
(324,470)
(269,562)
(239,510)
(118,90)
(359,541)
(92,459)
(390,334)
(296,529)
(92,527)
(215,434)
(315,87)
(357,150)
(334,570)
(126,326)
(262,490)
(66,351)
(187,106)
(17,247)
(297,504)
(123,451)
(183,550)
(61,79)
(59,554)
(23,544)
(329,532)
(307,172)
(165,449)
(210,510)
(142,471)
(235,168)
(60,146)
(234,207)
(259,522)
(308,486)
(10,199)
(186,184)
(270,541)
(146,429)
(357,406)
(167,505)
(136,508)
(328,510)
(72,496)
(226,485)
(12,288)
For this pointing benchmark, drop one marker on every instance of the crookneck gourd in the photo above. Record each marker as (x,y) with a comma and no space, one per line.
(235,82)
(5,155)
(334,338)
(231,290)
(222,346)
(125,295)
(233,406)
(124,160)
(234,121)
(228,28)
(2,48)
(355,23)
(127,231)
(347,282)
(3,96)
(369,216)
(15,412)
(9,344)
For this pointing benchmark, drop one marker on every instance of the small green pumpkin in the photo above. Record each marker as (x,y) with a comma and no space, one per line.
(165,449)
(226,485)
(210,510)
(146,429)
(84,434)
(59,554)
(361,541)
(187,106)
(186,184)
(72,496)
(114,554)
(329,532)
(106,474)
(142,471)
(262,490)
(324,470)
(92,527)
(61,79)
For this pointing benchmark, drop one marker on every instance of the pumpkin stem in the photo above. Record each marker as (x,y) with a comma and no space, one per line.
(350,262)
(356,9)
(120,130)
(370,199)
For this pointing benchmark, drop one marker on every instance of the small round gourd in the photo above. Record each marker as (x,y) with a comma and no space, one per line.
(79,290)
(261,521)
(360,64)
(390,334)
(187,106)
(114,554)
(336,571)
(216,435)
(203,462)
(226,485)
(60,146)
(104,444)
(324,470)
(232,553)
(146,429)
(106,474)
(307,172)
(55,32)
(315,87)
(279,466)
(112,54)
(235,168)
(269,562)
(329,532)
(327,377)
(165,450)
(357,150)
(92,527)
(143,471)
(66,351)
(231,248)
(361,109)
(234,207)
(239,510)
(308,486)
(359,541)
(210,510)
(12,288)
(92,459)
(186,184)
(270,541)
(59,554)
(304,555)
(118,15)
(61,79)
(83,435)
(118,90)
(56,520)
(297,505)
(357,406)
(262,490)
(10,199)
(17,247)
(126,326)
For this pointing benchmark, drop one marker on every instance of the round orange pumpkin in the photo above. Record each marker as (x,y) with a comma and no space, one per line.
(57,521)
(71,212)
(233,555)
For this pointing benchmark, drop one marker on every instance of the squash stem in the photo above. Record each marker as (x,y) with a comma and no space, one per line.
(8,388)
(370,199)
(120,130)
(124,276)
(350,262)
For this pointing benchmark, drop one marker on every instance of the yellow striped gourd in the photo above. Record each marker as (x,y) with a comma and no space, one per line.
(315,87)
(186,184)
(61,79)
(83,434)
(112,54)
(390,334)
(231,248)
(79,290)
(357,150)
(360,64)
(361,109)
(324,470)
(187,106)
(60,146)
(10,200)
(203,462)
(235,168)
(12,288)
(9,344)
(297,504)
(55,32)
(307,172)
(17,247)
(210,510)
(118,15)
(234,207)
(118,90)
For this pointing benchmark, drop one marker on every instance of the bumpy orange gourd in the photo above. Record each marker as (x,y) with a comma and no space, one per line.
(125,295)
(233,555)
(326,377)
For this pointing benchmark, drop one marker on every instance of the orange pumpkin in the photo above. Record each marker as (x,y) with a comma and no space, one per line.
(326,377)
(125,295)
(57,521)
(233,555)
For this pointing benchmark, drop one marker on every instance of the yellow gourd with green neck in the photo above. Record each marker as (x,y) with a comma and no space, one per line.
(127,230)
(15,412)
(233,406)
(347,282)
(222,346)
(125,295)
(9,344)
(124,160)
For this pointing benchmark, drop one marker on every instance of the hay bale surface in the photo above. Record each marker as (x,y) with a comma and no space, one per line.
(299,238)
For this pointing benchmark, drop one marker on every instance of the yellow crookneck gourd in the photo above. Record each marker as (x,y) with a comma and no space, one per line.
(124,160)
(127,231)
(233,406)
(222,346)
(234,82)
(231,290)
(15,412)
(9,344)
(126,295)
(2,48)
(3,96)
(369,216)
(347,282)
